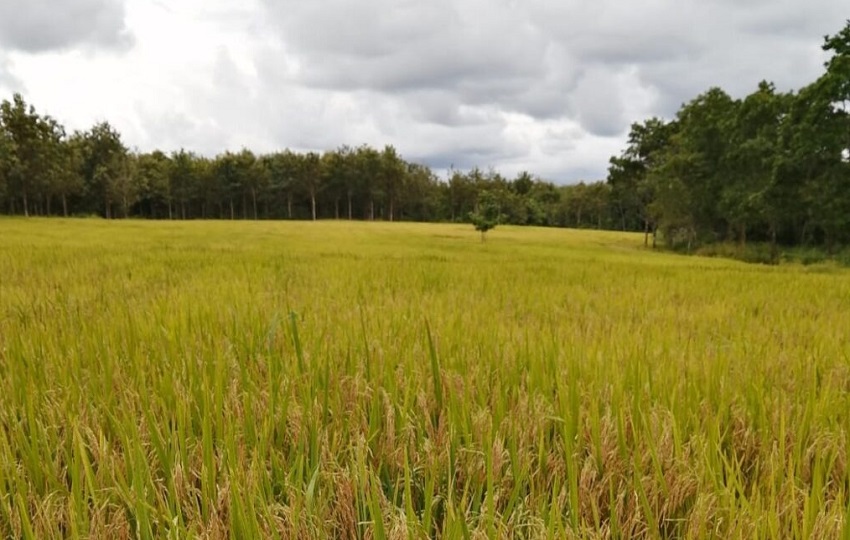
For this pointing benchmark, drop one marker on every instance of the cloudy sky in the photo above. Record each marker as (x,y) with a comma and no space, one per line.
(549,86)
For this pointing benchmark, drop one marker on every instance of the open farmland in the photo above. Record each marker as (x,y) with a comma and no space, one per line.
(364,380)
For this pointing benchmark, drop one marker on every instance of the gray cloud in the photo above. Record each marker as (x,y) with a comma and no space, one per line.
(598,103)
(479,53)
(44,25)
(464,64)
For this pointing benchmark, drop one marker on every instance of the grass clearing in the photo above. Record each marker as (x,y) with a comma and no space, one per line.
(372,380)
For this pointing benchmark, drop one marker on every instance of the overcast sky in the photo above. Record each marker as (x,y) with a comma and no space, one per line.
(548,86)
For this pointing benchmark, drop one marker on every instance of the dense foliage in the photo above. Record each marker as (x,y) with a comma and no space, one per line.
(44,171)
(773,166)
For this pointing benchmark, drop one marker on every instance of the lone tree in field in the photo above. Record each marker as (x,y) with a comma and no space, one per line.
(486,215)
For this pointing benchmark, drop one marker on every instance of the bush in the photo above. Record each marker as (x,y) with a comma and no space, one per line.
(755,253)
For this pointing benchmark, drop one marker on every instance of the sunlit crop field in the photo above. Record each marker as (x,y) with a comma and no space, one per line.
(364,380)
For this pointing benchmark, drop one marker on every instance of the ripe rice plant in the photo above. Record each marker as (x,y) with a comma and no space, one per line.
(365,380)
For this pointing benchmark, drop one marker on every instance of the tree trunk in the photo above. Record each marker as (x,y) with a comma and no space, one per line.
(289,206)
(170,212)
(254,201)
(64,205)
(349,206)
(774,253)
(392,207)
(47,204)
(313,204)
(654,235)
(26,205)
(371,210)
(232,211)
(645,233)
(336,208)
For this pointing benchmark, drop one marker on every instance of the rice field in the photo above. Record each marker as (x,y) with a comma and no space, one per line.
(367,380)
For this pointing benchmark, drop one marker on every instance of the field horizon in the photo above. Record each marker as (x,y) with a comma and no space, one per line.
(339,379)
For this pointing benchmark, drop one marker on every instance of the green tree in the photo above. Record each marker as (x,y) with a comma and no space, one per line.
(207,195)
(183,178)
(104,167)
(632,190)
(251,179)
(339,176)
(816,144)
(542,202)
(836,80)
(127,185)
(523,183)
(283,170)
(6,153)
(423,193)
(686,176)
(746,199)
(153,169)
(826,122)
(393,171)
(368,178)
(28,164)
(67,180)
(462,193)
(346,159)
(227,179)
(486,215)
(310,180)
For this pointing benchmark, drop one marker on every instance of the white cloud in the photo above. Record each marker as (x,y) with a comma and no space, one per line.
(8,80)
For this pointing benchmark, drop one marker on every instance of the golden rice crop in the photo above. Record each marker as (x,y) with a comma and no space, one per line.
(366,380)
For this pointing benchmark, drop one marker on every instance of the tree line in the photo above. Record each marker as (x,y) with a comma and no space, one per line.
(46,171)
(772,167)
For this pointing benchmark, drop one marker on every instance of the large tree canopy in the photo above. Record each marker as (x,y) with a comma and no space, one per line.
(771,166)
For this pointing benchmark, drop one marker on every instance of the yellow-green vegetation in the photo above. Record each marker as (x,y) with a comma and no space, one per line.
(363,380)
